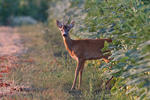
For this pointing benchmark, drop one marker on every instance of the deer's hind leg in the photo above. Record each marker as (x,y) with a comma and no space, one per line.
(105,58)
(80,74)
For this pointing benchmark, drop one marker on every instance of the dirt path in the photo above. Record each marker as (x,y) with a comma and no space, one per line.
(10,42)
(10,48)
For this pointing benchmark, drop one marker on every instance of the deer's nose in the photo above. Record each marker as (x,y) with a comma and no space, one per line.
(64,34)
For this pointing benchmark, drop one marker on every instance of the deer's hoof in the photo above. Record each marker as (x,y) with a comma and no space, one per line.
(73,88)
(75,92)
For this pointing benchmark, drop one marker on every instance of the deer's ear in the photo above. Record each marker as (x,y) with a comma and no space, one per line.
(59,24)
(72,24)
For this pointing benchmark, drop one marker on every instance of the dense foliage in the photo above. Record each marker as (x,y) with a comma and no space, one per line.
(128,23)
(34,8)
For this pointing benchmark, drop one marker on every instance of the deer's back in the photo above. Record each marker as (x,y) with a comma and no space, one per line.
(88,49)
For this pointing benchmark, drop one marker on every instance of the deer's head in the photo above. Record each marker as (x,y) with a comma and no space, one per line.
(64,28)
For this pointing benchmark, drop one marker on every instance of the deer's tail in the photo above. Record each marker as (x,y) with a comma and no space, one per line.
(108,40)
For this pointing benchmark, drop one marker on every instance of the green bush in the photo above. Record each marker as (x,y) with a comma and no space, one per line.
(34,8)
(128,24)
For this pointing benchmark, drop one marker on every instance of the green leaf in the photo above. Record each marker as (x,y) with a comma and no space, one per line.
(124,59)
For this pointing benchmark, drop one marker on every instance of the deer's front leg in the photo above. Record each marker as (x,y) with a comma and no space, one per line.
(79,64)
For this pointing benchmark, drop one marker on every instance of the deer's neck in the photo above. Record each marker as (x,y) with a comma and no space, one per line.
(68,43)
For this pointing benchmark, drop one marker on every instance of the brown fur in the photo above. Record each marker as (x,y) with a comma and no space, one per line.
(87,49)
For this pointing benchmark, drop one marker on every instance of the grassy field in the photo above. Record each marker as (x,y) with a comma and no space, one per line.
(47,71)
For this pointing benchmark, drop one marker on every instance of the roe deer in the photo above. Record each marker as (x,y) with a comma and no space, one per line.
(82,50)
